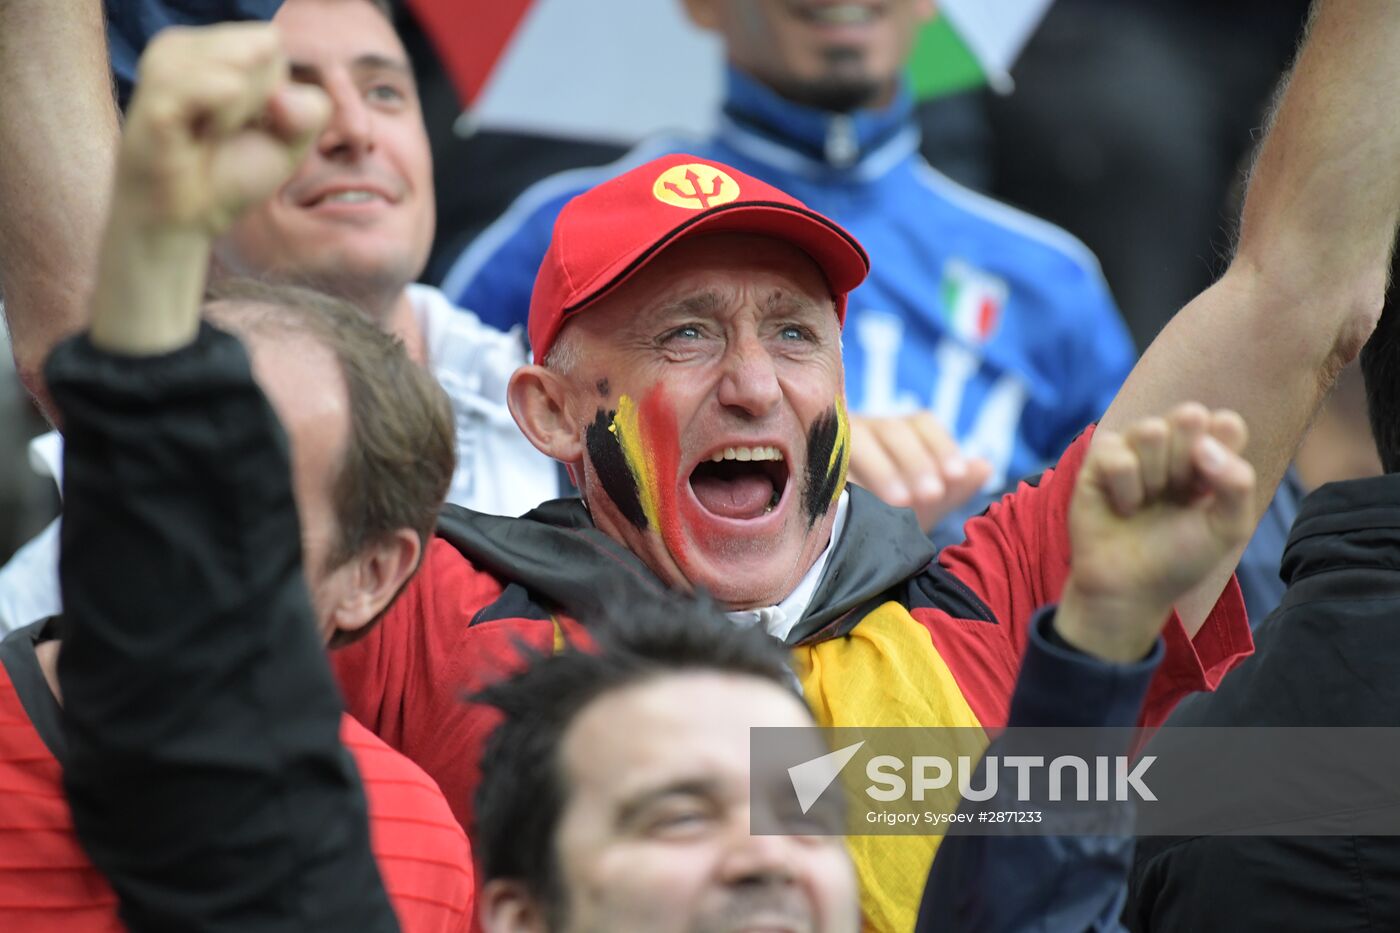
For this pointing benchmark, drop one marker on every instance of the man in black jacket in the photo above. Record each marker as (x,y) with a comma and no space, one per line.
(1327,657)
(202,574)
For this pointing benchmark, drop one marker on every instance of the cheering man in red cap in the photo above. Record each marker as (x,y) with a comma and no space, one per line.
(687,326)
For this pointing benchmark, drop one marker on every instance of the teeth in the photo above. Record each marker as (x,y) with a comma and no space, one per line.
(352,197)
(842,14)
(746,453)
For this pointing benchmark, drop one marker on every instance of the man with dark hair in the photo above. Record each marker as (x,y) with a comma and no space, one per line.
(617,793)
(197,568)
(1326,657)
(697,393)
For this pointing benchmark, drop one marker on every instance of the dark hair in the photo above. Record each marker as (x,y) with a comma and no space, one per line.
(522,792)
(1380,372)
(402,448)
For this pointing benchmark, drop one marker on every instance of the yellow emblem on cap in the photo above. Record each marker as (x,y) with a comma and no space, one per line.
(695,187)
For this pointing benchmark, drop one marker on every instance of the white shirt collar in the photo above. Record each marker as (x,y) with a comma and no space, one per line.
(780,620)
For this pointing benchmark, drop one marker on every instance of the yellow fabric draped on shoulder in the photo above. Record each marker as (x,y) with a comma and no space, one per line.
(886,672)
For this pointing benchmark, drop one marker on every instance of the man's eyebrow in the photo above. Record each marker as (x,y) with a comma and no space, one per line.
(307,73)
(697,305)
(304,73)
(685,787)
(781,301)
(376,62)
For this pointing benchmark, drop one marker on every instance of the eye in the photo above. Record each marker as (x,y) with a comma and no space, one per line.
(385,94)
(684,332)
(795,332)
(680,818)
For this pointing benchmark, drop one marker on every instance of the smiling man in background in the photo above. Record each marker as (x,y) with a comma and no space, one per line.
(356,220)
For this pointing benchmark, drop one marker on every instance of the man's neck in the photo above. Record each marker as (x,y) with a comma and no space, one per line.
(47,654)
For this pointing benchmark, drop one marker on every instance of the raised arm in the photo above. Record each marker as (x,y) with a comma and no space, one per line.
(1308,278)
(58,137)
(204,766)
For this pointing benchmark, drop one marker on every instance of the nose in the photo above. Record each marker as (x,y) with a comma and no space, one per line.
(350,132)
(759,861)
(750,380)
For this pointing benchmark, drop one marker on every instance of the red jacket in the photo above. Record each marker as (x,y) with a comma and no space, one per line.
(47,882)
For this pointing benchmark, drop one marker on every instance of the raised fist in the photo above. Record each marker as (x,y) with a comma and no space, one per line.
(1156,508)
(214,126)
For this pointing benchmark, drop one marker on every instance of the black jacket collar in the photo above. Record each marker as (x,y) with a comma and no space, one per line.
(564,563)
(1350,525)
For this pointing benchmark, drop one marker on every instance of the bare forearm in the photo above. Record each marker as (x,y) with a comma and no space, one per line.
(149,285)
(1320,216)
(58,133)
(1309,274)
(1308,280)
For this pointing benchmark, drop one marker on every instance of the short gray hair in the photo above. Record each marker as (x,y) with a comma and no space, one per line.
(565,355)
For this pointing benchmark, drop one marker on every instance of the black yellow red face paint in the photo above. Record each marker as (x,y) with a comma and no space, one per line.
(828,457)
(635,451)
(610,464)
(635,448)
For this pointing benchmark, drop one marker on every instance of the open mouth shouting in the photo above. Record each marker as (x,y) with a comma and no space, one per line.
(737,513)
(741,482)
(738,497)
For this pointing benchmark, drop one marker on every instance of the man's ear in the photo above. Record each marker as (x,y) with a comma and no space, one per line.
(539,402)
(505,906)
(925,9)
(377,574)
(702,13)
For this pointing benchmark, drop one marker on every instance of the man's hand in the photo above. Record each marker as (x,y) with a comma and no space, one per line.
(214,126)
(910,461)
(1155,509)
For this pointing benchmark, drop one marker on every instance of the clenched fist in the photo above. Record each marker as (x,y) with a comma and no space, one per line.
(1155,509)
(214,126)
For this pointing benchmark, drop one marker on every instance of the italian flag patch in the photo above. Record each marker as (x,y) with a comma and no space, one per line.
(971,302)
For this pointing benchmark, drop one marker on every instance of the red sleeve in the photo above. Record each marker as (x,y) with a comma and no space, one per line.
(1016,559)
(408,681)
(414,643)
(421,851)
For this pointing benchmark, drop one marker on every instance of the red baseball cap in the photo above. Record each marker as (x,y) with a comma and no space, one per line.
(606,234)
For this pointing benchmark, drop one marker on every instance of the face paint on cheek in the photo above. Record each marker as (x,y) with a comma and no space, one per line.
(610,463)
(650,444)
(828,456)
(658,423)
